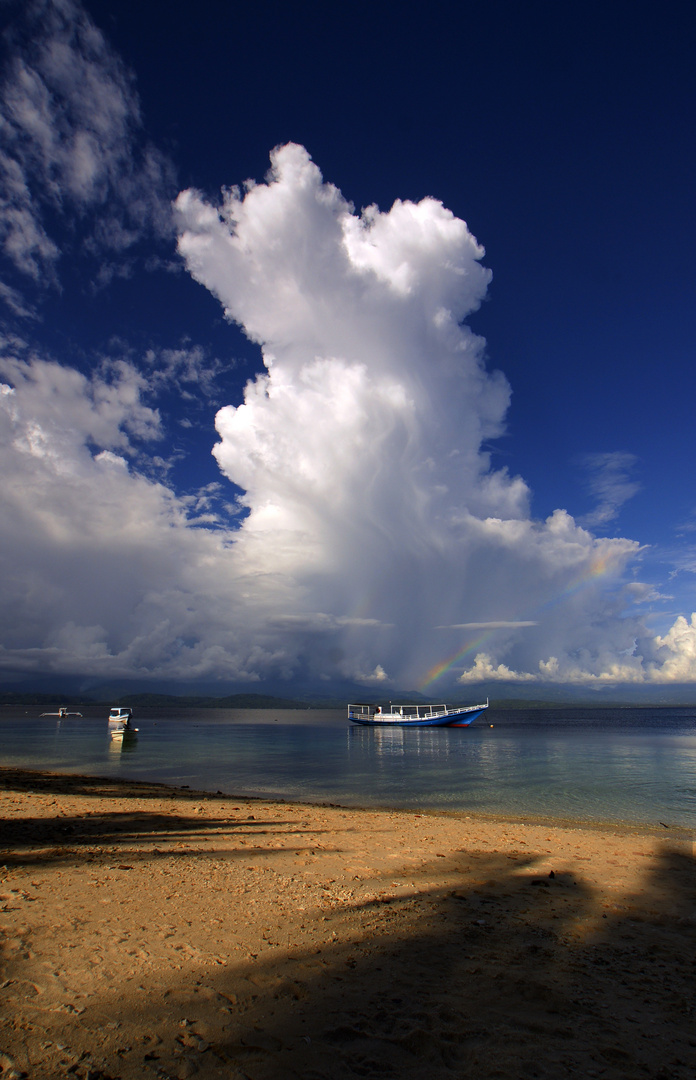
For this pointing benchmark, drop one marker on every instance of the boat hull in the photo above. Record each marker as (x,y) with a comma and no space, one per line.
(401,722)
(120,719)
(465,721)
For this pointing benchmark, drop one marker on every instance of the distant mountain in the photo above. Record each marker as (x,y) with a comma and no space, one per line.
(540,695)
(231,701)
(16,697)
(49,692)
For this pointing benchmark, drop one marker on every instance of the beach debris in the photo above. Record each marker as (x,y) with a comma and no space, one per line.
(193,1041)
(9,1070)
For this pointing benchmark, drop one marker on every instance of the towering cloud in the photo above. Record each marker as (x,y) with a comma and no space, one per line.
(360,449)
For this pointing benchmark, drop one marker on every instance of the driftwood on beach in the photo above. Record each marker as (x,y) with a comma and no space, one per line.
(154,932)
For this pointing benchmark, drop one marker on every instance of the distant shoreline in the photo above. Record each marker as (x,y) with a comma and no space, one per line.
(266,701)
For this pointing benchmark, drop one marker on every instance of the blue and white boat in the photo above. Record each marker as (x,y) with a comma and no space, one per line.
(415,715)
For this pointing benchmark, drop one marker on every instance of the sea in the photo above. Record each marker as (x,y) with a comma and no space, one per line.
(613,765)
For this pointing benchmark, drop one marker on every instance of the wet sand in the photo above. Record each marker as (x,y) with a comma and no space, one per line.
(156,932)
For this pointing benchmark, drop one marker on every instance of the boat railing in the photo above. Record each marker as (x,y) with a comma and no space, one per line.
(415,711)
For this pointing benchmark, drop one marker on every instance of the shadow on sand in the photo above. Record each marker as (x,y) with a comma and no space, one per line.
(507,974)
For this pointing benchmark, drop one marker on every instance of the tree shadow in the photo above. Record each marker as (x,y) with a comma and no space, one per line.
(522,977)
(77,784)
(28,840)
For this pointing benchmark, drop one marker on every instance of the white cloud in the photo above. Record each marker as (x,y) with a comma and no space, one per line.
(609,481)
(658,661)
(376,677)
(71,143)
(499,625)
(66,408)
(16,302)
(676,653)
(186,367)
(104,572)
(485,670)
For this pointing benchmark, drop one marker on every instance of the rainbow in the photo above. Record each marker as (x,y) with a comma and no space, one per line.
(439,669)
(598,568)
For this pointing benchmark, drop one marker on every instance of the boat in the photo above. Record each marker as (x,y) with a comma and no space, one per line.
(415,715)
(62,713)
(120,717)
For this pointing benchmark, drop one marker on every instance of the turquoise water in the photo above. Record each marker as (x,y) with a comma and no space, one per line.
(621,765)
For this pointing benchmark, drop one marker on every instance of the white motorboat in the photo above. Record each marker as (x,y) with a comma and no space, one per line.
(120,717)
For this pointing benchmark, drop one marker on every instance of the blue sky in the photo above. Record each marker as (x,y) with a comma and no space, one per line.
(423,475)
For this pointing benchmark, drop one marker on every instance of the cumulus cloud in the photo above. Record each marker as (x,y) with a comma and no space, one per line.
(485,670)
(371,517)
(71,144)
(66,408)
(675,653)
(105,572)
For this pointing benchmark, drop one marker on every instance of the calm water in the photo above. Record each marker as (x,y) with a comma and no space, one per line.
(631,765)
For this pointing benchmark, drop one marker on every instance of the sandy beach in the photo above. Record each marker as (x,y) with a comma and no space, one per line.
(157,932)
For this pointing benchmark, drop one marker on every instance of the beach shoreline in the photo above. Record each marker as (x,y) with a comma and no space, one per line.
(152,931)
(64,781)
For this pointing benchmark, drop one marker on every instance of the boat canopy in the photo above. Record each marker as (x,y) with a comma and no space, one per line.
(413,711)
